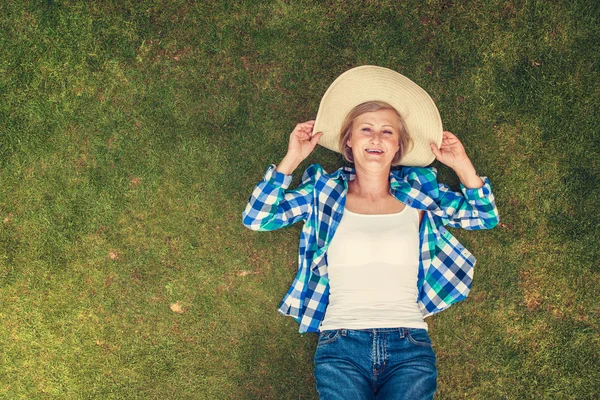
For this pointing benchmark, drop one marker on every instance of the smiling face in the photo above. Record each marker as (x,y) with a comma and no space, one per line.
(379,123)
(375,137)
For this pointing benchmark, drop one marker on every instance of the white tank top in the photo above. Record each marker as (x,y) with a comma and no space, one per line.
(373,265)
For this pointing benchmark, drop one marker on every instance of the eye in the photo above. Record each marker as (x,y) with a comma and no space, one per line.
(387,132)
(366,129)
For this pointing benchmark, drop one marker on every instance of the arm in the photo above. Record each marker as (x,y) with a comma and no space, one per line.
(452,153)
(475,208)
(271,206)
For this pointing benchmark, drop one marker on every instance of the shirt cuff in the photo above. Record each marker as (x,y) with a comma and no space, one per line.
(276,178)
(477,193)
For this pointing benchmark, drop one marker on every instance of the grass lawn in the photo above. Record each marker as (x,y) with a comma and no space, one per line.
(132,133)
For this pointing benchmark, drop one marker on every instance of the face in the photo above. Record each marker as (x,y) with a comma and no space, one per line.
(374,139)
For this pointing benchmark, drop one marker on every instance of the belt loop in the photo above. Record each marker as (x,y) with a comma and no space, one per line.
(344,332)
(401,332)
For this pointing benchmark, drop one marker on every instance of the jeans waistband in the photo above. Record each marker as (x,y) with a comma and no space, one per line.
(403,332)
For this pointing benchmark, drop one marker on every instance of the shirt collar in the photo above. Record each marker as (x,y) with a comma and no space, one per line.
(402,186)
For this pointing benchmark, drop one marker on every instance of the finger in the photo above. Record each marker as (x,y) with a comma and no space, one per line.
(316,137)
(303,129)
(306,124)
(301,136)
(308,130)
(449,136)
(436,152)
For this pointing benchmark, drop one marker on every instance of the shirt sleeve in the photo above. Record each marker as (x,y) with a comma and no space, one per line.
(272,206)
(472,209)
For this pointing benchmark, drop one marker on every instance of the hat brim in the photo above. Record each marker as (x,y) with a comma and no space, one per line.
(371,83)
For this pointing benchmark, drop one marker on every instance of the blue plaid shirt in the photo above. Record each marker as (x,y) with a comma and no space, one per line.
(445,266)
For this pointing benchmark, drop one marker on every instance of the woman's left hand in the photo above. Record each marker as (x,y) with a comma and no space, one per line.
(452,152)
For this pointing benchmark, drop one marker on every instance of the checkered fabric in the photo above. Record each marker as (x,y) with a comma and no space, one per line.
(446,267)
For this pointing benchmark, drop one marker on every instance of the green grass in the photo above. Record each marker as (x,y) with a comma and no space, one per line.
(132,133)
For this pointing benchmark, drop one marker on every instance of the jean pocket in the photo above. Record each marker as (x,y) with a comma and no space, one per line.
(327,337)
(419,337)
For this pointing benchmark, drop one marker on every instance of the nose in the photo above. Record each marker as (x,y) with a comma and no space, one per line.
(376,137)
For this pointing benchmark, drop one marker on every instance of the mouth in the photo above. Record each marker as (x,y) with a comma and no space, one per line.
(374,151)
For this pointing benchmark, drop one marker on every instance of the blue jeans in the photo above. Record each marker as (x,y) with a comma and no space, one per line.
(389,363)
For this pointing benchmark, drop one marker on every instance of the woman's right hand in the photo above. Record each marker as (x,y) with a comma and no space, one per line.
(302,143)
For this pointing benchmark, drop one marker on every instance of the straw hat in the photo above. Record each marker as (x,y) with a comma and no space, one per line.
(371,83)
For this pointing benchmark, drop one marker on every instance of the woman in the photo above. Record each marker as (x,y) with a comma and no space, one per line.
(375,258)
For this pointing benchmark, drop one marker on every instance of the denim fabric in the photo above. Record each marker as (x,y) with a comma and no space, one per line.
(389,363)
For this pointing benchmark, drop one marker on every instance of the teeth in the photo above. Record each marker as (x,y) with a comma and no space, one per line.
(374,151)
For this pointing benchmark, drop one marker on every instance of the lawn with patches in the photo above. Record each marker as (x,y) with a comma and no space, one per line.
(132,133)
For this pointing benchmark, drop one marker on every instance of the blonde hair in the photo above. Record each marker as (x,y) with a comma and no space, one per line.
(404,140)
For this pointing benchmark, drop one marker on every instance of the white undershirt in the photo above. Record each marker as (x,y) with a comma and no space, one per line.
(373,265)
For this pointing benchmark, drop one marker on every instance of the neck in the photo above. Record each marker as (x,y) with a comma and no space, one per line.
(372,184)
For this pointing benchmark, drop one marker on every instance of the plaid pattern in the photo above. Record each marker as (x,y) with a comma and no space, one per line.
(445,268)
